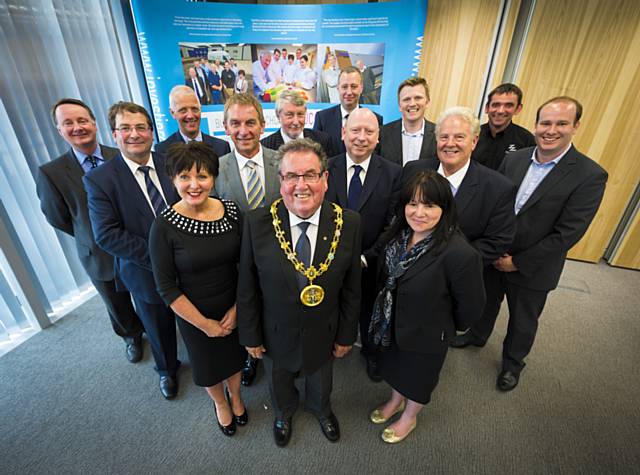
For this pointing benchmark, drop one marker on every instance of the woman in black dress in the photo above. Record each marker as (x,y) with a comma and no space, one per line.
(194,248)
(431,286)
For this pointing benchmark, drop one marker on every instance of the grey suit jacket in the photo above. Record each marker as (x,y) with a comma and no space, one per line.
(63,201)
(229,182)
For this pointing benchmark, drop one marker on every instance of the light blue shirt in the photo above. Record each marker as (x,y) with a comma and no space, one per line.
(536,173)
(82,158)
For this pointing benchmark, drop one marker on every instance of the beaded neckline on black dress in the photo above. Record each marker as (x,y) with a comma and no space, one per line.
(203,228)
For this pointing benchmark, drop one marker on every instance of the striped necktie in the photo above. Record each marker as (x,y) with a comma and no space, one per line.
(255,192)
(154,195)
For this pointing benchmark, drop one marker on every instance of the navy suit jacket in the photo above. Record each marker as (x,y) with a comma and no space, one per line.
(484,204)
(330,121)
(221,147)
(554,218)
(275,140)
(391,141)
(381,183)
(64,203)
(121,218)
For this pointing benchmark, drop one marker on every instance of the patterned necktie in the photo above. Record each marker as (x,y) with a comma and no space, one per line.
(355,188)
(303,251)
(93,161)
(154,195)
(255,192)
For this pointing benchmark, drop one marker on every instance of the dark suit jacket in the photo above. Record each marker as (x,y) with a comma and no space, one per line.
(202,98)
(269,309)
(381,183)
(64,203)
(484,204)
(121,218)
(330,121)
(275,140)
(220,147)
(452,280)
(554,218)
(391,141)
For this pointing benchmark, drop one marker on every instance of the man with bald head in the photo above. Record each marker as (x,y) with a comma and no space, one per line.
(559,193)
(364,182)
(184,107)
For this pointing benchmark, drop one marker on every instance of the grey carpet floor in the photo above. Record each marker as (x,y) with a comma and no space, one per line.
(70,403)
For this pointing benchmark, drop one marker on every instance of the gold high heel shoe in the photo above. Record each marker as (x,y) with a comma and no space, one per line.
(390,437)
(377,418)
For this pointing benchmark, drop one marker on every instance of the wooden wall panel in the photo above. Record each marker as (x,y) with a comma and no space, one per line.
(628,254)
(590,50)
(457,48)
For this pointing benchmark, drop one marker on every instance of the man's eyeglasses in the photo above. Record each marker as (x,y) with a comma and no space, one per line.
(309,177)
(127,129)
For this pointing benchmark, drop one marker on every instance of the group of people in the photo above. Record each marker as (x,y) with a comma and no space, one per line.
(214,83)
(269,70)
(283,249)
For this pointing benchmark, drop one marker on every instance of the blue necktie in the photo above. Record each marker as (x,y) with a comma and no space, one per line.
(92,160)
(303,252)
(355,189)
(154,195)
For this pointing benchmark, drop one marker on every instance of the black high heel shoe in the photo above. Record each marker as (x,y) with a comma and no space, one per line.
(242,419)
(227,430)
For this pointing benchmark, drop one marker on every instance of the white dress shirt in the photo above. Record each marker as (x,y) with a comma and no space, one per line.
(245,170)
(455,180)
(139,176)
(344,113)
(350,170)
(411,144)
(312,230)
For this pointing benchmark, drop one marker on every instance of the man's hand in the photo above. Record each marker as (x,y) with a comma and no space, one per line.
(256,351)
(339,351)
(505,264)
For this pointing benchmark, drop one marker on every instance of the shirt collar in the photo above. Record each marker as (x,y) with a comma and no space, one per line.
(135,165)
(187,139)
(286,138)
(534,158)
(314,219)
(81,156)
(457,177)
(420,133)
(364,164)
(257,159)
(344,111)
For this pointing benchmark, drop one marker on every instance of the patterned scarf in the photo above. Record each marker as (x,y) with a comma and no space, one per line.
(397,261)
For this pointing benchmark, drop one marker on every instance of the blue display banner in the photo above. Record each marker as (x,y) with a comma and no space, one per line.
(219,49)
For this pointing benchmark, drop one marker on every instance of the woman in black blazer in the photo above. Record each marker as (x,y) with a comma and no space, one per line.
(431,286)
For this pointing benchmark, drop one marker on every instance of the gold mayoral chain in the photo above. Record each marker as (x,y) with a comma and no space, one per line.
(311,295)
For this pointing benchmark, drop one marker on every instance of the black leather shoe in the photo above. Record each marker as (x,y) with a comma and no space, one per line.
(466,339)
(330,427)
(169,386)
(227,430)
(282,431)
(242,419)
(507,380)
(134,349)
(249,371)
(372,369)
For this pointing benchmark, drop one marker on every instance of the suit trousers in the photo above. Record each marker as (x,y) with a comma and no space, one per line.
(525,307)
(284,395)
(124,320)
(160,326)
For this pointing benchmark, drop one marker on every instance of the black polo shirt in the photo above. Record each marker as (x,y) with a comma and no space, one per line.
(228,78)
(490,151)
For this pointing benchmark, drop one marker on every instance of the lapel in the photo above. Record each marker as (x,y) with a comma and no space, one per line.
(326,227)
(129,186)
(520,169)
(426,142)
(74,170)
(468,188)
(397,143)
(272,184)
(235,182)
(165,181)
(338,179)
(420,265)
(370,180)
(336,123)
(288,270)
(277,139)
(559,171)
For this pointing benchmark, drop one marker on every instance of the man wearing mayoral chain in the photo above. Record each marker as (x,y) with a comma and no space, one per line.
(299,287)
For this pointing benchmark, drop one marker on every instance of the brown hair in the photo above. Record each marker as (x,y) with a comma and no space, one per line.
(131,107)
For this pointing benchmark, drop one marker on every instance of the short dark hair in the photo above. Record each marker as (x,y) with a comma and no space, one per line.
(290,56)
(414,81)
(183,156)
(131,107)
(69,100)
(506,88)
(305,57)
(303,145)
(241,71)
(430,188)
(276,50)
(565,99)
(349,70)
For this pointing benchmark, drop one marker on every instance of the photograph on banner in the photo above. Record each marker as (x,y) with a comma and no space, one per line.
(279,67)
(367,57)
(215,71)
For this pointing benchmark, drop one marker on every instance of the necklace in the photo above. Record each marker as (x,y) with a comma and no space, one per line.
(312,294)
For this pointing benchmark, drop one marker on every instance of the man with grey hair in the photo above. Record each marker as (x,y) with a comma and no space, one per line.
(262,76)
(185,109)
(299,287)
(484,198)
(291,111)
